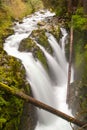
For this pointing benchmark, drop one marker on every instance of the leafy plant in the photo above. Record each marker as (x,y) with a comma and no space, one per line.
(79,21)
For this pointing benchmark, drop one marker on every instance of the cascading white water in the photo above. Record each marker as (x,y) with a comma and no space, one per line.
(41,84)
(55,68)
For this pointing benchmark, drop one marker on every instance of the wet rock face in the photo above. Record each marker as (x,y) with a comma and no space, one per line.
(27,45)
(51,25)
(74,101)
(78,100)
(29,118)
(12,73)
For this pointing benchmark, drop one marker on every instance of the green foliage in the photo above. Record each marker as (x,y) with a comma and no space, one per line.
(2,121)
(3,102)
(78,55)
(80,50)
(35,4)
(10,111)
(12,74)
(5,22)
(79,21)
(12,10)
(79,11)
(10,71)
(59,6)
(83,101)
(84,76)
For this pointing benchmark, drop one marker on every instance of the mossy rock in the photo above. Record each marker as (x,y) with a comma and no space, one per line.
(42,23)
(28,45)
(56,32)
(12,74)
(41,38)
(11,71)
(51,25)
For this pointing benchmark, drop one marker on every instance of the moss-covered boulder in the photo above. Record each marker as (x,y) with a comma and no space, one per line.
(40,36)
(51,25)
(28,45)
(12,73)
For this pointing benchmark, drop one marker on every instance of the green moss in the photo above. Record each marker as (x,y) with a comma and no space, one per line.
(83,101)
(79,20)
(84,76)
(56,32)
(80,59)
(8,13)
(34,5)
(52,4)
(12,125)
(2,121)
(2,102)
(10,111)
(41,38)
(10,71)
(80,54)
(5,23)
(79,100)
(13,74)
(28,45)
(39,55)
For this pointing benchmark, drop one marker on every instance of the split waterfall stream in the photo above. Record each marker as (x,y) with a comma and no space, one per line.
(52,89)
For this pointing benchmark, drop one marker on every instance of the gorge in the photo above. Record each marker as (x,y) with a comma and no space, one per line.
(50,88)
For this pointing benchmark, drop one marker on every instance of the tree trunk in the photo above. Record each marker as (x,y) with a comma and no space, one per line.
(39,104)
(69,7)
(85,6)
(70,63)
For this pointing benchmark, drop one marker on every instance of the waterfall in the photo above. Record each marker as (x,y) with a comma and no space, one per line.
(50,88)
(55,68)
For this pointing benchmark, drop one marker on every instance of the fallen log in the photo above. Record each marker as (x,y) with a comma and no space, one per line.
(39,104)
